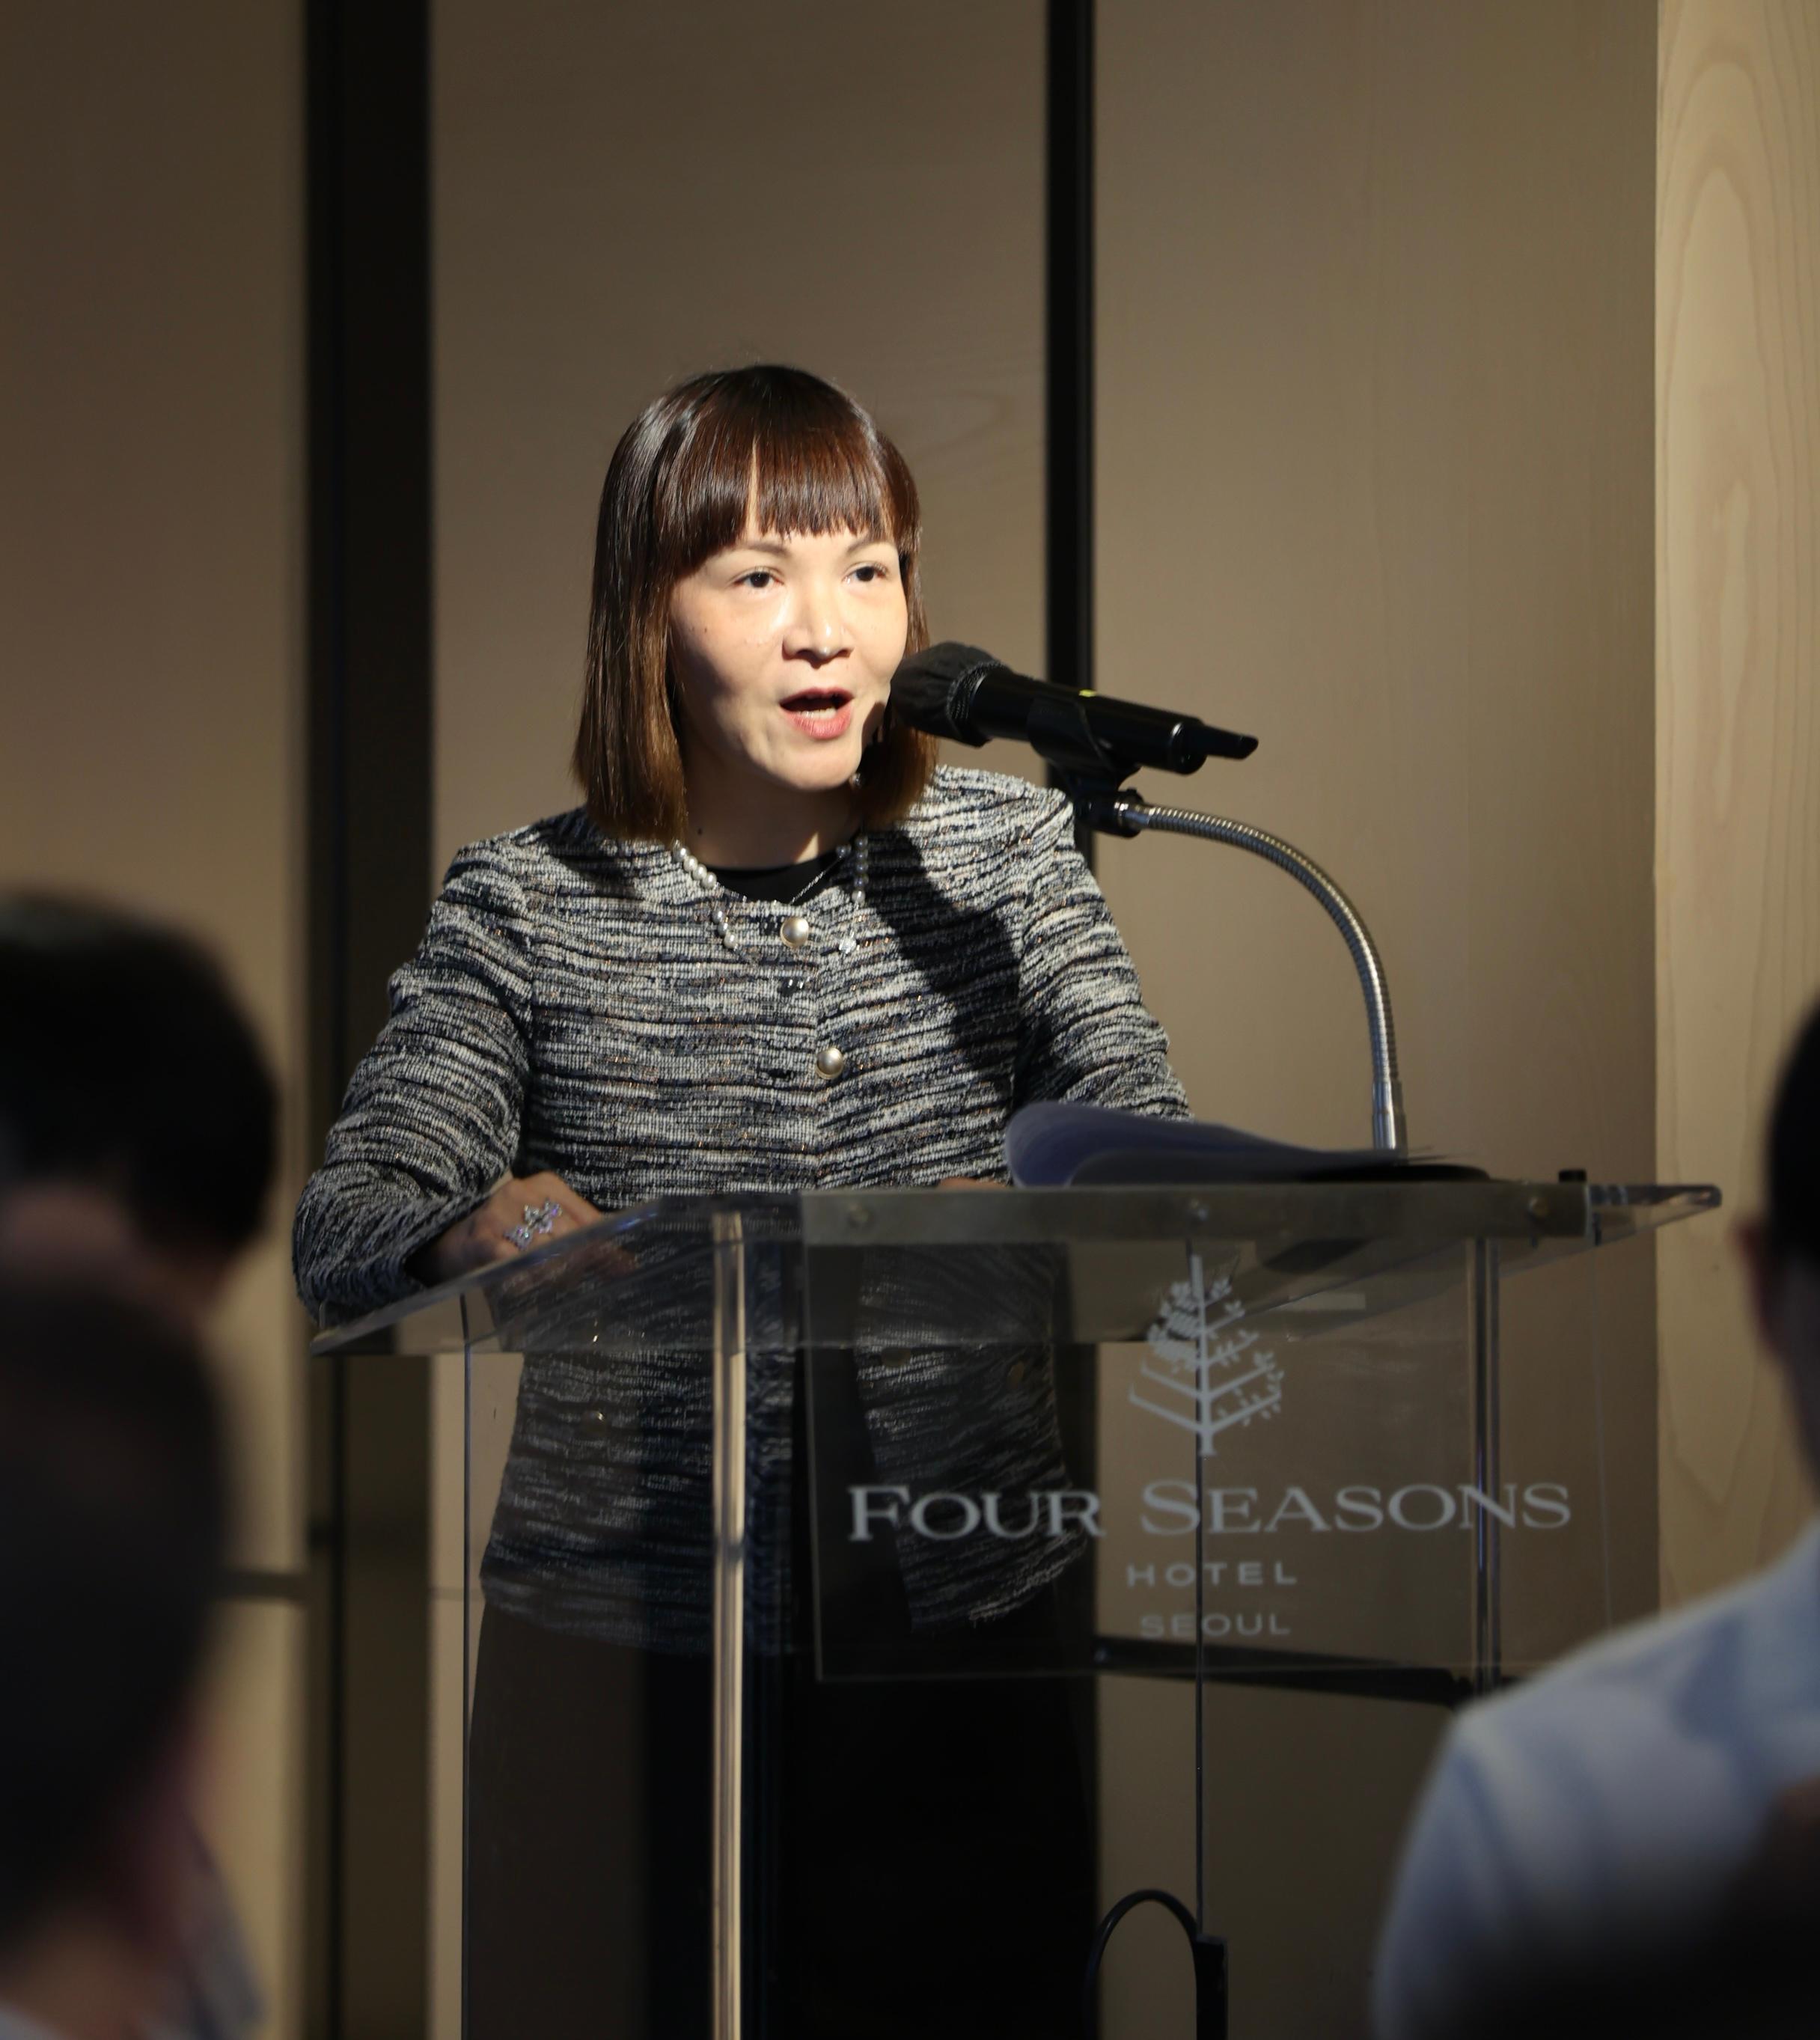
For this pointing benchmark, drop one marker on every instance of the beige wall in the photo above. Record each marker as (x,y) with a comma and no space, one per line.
(1374,445)
(150,631)
(1738,721)
(626,196)
(1375,451)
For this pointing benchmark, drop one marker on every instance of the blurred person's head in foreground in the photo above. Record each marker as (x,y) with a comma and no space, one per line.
(112,1514)
(1783,1247)
(137,1112)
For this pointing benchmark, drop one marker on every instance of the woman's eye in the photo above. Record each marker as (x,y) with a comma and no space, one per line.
(868,571)
(759,577)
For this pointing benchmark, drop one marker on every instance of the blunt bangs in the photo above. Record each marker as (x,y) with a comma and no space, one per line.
(796,451)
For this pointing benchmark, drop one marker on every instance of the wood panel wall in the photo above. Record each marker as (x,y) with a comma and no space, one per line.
(1738,721)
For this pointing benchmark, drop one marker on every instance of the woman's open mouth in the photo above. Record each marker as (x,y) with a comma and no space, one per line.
(820,712)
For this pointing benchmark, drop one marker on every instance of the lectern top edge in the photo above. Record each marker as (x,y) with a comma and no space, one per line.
(1556,1217)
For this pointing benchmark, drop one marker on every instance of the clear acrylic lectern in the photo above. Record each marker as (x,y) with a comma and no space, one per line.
(813,1523)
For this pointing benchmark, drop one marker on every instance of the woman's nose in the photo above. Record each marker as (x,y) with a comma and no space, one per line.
(817,628)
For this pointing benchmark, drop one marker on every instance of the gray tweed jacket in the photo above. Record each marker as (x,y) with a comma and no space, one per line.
(575,1006)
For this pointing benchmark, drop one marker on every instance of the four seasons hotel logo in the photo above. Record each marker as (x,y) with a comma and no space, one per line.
(1211,1372)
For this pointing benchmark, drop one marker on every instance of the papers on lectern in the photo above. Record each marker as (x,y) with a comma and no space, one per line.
(1048,1146)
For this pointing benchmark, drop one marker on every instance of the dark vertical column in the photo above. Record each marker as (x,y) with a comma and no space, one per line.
(1068,478)
(1069,570)
(369,852)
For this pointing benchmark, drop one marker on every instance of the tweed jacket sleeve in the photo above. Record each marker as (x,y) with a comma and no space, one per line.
(430,1122)
(1086,1035)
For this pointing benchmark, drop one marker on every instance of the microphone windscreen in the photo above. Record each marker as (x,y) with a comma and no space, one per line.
(951,662)
(925,690)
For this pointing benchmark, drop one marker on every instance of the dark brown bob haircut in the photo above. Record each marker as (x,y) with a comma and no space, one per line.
(806,458)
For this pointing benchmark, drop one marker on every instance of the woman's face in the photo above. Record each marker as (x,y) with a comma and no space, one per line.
(782,649)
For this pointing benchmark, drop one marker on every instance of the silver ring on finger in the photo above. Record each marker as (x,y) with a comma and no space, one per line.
(539,1221)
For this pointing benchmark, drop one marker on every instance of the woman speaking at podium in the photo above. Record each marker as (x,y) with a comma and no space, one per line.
(778,948)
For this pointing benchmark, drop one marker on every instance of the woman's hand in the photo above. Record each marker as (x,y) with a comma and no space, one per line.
(523,1212)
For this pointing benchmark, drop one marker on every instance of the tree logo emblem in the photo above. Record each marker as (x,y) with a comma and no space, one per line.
(1210,1371)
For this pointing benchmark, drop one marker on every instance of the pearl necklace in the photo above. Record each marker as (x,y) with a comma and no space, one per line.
(857,853)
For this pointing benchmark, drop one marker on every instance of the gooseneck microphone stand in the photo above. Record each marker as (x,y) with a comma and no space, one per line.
(1120,812)
(1093,776)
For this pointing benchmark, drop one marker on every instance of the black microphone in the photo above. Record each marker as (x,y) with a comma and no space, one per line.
(959,691)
